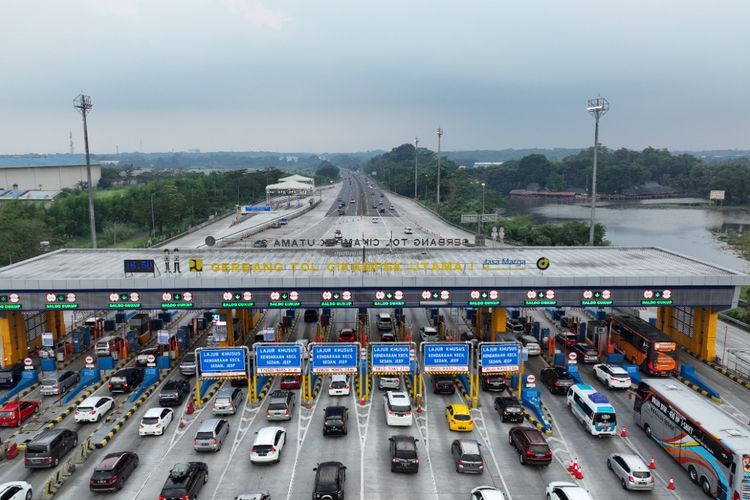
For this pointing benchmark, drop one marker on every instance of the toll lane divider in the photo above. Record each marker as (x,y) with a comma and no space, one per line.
(316,388)
(20,394)
(727,373)
(463,386)
(29,380)
(206,394)
(267,383)
(691,379)
(121,421)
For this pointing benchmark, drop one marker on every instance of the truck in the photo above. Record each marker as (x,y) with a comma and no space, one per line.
(139,323)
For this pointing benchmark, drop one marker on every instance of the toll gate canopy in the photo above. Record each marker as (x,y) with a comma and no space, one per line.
(121,279)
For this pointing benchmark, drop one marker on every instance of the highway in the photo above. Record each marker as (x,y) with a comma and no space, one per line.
(365,449)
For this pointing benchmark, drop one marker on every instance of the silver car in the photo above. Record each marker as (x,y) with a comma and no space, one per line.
(211,434)
(634,474)
(227,401)
(58,382)
(280,406)
(389,383)
(187,365)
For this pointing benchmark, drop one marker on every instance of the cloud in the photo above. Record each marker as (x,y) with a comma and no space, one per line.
(257,13)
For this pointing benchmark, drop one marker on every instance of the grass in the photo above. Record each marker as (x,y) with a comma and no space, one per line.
(740,242)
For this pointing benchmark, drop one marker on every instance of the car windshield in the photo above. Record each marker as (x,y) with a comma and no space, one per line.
(84,409)
(338,384)
(472,458)
(118,380)
(562,373)
(149,420)
(222,401)
(262,448)
(36,448)
(334,420)
(277,406)
(605,418)
(641,474)
(49,381)
(620,375)
(538,448)
(204,435)
(173,492)
(461,417)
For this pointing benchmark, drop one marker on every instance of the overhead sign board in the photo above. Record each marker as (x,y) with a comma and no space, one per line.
(278,359)
(443,357)
(254,208)
(222,362)
(390,357)
(334,358)
(499,357)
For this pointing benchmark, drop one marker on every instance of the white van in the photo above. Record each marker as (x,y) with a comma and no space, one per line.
(397,409)
(385,322)
(106,345)
(593,409)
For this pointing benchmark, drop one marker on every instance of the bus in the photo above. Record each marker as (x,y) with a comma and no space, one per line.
(642,344)
(705,441)
(593,410)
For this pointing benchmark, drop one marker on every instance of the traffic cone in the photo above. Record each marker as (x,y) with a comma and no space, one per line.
(579,472)
(190,408)
(182,424)
(624,432)
(670,485)
(652,464)
(572,466)
(362,401)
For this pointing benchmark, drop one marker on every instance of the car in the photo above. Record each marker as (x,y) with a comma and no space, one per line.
(155,421)
(347,335)
(280,405)
(408,230)
(260,244)
(632,471)
(404,453)
(283,221)
(14,413)
(352,201)
(494,383)
(614,376)
(335,420)
(10,375)
(563,490)
(339,385)
(486,493)
(531,344)
(586,353)
(397,407)
(49,447)
(184,482)
(290,382)
(254,495)
(187,365)
(125,380)
(387,337)
(375,220)
(56,383)
(557,379)
(16,490)
(141,359)
(337,234)
(227,401)
(112,472)
(566,339)
(93,408)
(389,382)
(514,326)
(428,333)
(443,384)
(269,441)
(381,210)
(275,225)
(459,417)
(211,434)
(467,456)
(329,481)
(509,408)
(173,392)
(311,315)
(531,446)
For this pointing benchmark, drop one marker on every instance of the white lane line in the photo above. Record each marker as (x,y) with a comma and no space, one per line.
(425,437)
(300,440)
(484,433)
(362,441)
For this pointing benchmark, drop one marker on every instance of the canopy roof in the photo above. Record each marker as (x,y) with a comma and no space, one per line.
(291,186)
(298,178)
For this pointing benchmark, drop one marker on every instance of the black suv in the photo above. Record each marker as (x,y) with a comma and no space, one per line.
(494,383)
(334,420)
(126,380)
(185,481)
(509,409)
(311,315)
(113,471)
(174,392)
(329,481)
(443,384)
(557,379)
(10,375)
(404,453)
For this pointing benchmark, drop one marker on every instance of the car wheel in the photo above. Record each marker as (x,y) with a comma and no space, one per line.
(693,474)
(205,478)
(609,465)
(647,430)
(120,484)
(28,495)
(510,440)
(706,486)
(521,458)
(624,484)
(548,497)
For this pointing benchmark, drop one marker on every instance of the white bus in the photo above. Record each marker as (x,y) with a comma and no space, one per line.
(705,441)
(593,410)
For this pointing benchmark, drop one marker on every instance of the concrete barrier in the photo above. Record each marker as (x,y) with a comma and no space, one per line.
(89,376)
(150,378)
(29,378)
(688,377)
(532,399)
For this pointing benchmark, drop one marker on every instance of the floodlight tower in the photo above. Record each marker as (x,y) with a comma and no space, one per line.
(416,164)
(83,104)
(440,136)
(597,107)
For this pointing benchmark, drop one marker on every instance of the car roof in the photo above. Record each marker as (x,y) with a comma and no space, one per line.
(252,495)
(226,391)
(267,435)
(489,492)
(335,410)
(574,492)
(397,395)
(634,461)
(469,446)
(10,405)
(339,376)
(429,329)
(616,369)
(153,412)
(109,461)
(460,408)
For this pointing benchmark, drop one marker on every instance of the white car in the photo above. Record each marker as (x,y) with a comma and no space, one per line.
(254,495)
(486,493)
(428,333)
(339,385)
(15,490)
(93,408)
(562,490)
(408,230)
(375,220)
(389,382)
(155,421)
(269,441)
(614,376)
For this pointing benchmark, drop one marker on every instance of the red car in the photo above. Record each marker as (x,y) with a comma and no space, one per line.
(347,335)
(290,382)
(14,413)
(566,339)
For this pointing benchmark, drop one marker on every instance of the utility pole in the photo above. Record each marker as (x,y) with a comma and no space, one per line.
(440,136)
(83,104)
(416,164)
(597,107)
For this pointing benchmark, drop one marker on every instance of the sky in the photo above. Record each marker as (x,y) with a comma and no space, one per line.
(348,75)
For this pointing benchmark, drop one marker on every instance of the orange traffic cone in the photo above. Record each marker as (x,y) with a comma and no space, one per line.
(362,401)
(182,424)
(572,466)
(652,464)
(670,485)
(579,472)
(624,432)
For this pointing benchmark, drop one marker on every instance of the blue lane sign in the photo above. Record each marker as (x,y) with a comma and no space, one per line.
(250,208)
(390,358)
(499,357)
(334,358)
(278,359)
(442,357)
(222,362)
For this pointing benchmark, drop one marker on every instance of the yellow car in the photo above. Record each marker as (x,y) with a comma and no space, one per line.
(459,418)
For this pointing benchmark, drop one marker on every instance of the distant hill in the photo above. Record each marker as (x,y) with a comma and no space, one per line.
(470,156)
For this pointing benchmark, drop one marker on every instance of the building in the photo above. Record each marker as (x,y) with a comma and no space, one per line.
(46,177)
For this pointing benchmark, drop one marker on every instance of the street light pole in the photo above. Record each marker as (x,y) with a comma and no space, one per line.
(416,164)
(440,136)
(597,107)
(83,104)
(153,220)
(480,215)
